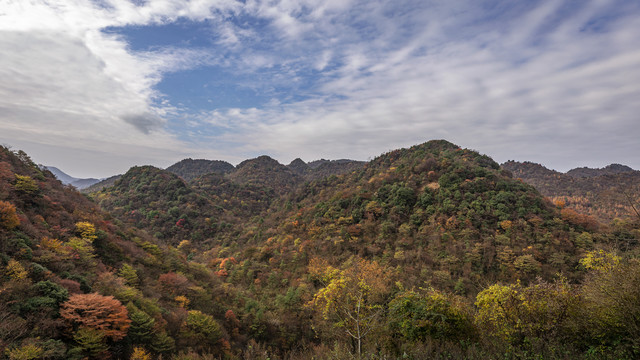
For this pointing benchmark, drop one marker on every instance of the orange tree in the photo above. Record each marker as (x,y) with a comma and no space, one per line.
(94,311)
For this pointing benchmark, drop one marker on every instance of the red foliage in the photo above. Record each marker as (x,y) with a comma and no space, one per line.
(174,283)
(94,311)
(71,285)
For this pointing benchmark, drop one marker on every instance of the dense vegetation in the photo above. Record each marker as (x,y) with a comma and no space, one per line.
(606,194)
(427,252)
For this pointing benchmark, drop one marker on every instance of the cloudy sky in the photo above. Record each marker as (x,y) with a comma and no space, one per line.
(96,86)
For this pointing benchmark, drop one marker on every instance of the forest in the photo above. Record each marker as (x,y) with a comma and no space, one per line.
(428,252)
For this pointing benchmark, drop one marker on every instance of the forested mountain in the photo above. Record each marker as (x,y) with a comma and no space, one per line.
(319,169)
(75,283)
(612,169)
(189,169)
(428,252)
(607,193)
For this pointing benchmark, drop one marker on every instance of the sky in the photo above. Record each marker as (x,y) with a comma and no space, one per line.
(94,87)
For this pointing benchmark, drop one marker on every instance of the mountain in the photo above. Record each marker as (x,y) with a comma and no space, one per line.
(612,169)
(607,193)
(432,251)
(162,203)
(267,172)
(298,166)
(319,169)
(108,182)
(77,283)
(408,207)
(69,180)
(189,169)
(60,175)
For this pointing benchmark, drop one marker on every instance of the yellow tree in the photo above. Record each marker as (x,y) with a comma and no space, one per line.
(353,298)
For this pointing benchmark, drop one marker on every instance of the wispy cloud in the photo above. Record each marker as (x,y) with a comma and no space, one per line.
(549,81)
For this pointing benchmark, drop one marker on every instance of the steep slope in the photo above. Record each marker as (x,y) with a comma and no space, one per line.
(75,283)
(298,166)
(433,219)
(162,203)
(189,169)
(443,214)
(606,194)
(61,175)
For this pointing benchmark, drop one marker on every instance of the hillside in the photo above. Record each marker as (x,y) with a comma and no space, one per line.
(76,283)
(427,252)
(606,194)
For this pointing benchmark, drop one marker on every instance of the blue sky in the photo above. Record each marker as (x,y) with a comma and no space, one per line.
(94,87)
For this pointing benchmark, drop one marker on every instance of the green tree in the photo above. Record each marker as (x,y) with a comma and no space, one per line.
(89,342)
(431,314)
(129,274)
(141,329)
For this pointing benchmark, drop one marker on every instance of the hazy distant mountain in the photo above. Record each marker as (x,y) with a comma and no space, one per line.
(105,183)
(70,180)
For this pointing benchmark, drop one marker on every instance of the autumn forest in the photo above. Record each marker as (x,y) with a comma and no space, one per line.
(428,252)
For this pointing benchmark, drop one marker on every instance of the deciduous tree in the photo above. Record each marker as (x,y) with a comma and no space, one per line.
(95,311)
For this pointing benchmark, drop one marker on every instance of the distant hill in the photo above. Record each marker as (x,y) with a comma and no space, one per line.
(268,172)
(189,169)
(108,182)
(613,169)
(70,180)
(605,193)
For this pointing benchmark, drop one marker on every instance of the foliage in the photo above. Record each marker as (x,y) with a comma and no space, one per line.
(129,274)
(140,354)
(97,312)
(141,328)
(26,352)
(15,270)
(418,316)
(26,185)
(8,217)
(520,314)
(600,260)
(204,325)
(353,298)
(90,342)
(264,264)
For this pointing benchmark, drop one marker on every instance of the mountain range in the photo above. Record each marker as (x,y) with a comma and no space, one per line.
(432,251)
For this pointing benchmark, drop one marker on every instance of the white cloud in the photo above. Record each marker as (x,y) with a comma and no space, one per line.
(548,81)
